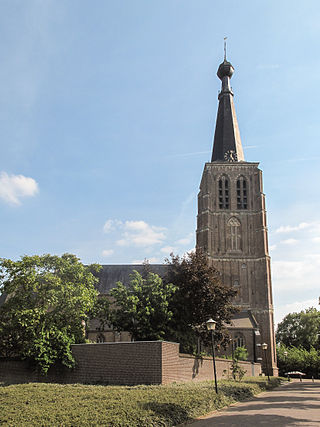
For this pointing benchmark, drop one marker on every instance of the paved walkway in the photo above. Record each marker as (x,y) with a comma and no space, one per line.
(294,404)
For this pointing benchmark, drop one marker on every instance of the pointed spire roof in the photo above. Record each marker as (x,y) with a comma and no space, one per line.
(227,145)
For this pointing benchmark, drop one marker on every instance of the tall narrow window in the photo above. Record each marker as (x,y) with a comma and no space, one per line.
(242,199)
(224,193)
(235,234)
(238,341)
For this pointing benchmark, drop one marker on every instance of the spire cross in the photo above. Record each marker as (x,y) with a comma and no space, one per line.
(225,48)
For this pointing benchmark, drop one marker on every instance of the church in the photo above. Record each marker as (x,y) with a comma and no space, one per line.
(232,231)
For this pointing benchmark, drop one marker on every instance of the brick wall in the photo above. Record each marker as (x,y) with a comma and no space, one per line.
(130,363)
(195,369)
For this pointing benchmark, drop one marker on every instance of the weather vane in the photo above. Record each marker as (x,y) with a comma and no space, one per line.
(225,48)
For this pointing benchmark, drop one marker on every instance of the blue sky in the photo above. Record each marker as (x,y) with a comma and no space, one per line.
(107,113)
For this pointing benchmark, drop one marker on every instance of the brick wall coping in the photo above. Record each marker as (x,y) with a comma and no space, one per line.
(124,342)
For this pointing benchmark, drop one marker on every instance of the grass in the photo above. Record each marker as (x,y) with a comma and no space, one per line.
(37,404)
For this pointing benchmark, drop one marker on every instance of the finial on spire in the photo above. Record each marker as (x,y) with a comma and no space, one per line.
(225,48)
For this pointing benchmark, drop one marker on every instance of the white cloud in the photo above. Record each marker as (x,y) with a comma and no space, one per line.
(316,239)
(289,228)
(186,253)
(299,274)
(293,270)
(185,240)
(15,187)
(108,226)
(272,247)
(111,225)
(289,241)
(136,225)
(293,307)
(135,233)
(139,233)
(107,252)
(168,249)
(314,258)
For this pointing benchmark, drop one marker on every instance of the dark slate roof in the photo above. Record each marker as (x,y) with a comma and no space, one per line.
(111,274)
(243,320)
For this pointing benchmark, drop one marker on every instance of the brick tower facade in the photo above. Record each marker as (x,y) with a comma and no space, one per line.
(232,230)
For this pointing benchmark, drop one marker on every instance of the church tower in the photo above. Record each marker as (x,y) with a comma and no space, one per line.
(232,230)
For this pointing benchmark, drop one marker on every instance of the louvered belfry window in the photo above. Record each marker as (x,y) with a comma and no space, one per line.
(242,198)
(224,202)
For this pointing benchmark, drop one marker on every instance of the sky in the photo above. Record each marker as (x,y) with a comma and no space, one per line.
(107,115)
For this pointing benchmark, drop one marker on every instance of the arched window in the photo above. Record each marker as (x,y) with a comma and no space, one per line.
(224,193)
(242,199)
(238,341)
(235,234)
(100,338)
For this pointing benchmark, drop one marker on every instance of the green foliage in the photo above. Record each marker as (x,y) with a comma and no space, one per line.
(85,405)
(300,329)
(236,370)
(298,336)
(175,308)
(200,296)
(299,359)
(240,353)
(48,298)
(142,308)
(101,312)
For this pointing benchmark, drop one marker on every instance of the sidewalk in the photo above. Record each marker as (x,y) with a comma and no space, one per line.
(293,404)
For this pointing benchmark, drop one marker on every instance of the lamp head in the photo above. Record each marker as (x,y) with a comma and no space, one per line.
(211,324)
(264,346)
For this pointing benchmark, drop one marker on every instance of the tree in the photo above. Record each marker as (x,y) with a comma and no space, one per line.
(240,353)
(142,308)
(236,371)
(298,359)
(48,301)
(200,296)
(300,329)
(101,312)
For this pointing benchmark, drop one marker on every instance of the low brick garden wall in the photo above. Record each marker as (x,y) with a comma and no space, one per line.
(126,363)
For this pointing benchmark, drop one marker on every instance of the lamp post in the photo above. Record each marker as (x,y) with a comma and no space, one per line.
(285,353)
(211,326)
(231,343)
(264,348)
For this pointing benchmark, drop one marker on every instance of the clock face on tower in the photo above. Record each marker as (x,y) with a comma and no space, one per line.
(230,156)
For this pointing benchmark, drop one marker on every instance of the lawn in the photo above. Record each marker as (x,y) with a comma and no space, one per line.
(37,404)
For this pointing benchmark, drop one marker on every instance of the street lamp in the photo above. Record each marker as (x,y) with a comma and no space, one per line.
(231,343)
(264,348)
(285,353)
(211,326)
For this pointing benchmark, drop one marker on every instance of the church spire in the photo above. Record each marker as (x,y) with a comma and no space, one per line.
(227,143)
